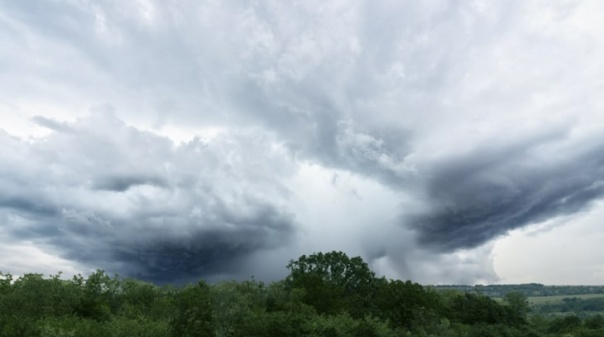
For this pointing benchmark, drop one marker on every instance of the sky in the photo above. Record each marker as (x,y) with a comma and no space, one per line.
(442,141)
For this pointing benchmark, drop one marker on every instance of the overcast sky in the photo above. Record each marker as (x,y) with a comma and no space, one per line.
(442,141)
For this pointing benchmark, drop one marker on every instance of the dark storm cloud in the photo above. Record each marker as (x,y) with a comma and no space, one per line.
(207,252)
(483,194)
(168,213)
(149,247)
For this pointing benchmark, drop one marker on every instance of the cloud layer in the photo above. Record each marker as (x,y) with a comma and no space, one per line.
(489,191)
(169,140)
(102,193)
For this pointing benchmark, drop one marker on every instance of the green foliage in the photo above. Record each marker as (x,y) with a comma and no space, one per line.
(5,283)
(530,290)
(518,303)
(285,313)
(233,302)
(99,296)
(564,324)
(194,316)
(261,323)
(344,325)
(333,282)
(140,327)
(13,326)
(474,309)
(139,299)
(324,295)
(32,296)
(499,330)
(594,322)
(573,305)
(405,304)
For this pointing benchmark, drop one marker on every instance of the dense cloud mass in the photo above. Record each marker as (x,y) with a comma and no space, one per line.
(489,191)
(170,140)
(109,195)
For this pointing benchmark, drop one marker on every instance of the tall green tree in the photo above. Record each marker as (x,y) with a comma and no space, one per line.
(99,297)
(333,282)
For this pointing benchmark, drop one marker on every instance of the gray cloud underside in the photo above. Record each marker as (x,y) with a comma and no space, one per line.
(489,191)
(111,196)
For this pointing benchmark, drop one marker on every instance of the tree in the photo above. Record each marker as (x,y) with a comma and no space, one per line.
(139,298)
(594,322)
(343,325)
(473,308)
(193,312)
(333,282)
(518,303)
(99,295)
(233,303)
(564,324)
(405,304)
(281,313)
(5,283)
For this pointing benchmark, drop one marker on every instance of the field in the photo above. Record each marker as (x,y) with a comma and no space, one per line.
(540,300)
(583,301)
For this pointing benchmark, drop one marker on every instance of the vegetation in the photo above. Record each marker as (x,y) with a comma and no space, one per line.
(325,294)
(552,301)
(531,290)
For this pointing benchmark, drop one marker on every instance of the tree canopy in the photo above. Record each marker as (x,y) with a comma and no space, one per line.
(324,295)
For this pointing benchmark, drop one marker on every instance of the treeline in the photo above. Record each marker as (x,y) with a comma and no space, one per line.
(579,306)
(529,289)
(324,295)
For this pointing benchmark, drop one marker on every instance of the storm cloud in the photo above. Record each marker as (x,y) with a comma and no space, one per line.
(488,191)
(111,196)
(171,140)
